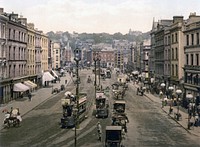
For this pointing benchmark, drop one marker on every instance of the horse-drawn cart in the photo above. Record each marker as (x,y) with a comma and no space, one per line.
(113,136)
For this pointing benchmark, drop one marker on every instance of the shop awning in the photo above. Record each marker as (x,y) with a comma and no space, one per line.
(47,77)
(19,87)
(54,73)
(190,88)
(30,84)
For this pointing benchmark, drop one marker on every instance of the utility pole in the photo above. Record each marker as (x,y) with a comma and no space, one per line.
(95,73)
(77,59)
(99,59)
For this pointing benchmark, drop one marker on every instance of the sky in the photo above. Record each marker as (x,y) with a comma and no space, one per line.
(98,16)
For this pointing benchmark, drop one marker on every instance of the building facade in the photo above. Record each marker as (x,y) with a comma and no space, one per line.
(177,51)
(44,48)
(20,56)
(192,55)
(56,55)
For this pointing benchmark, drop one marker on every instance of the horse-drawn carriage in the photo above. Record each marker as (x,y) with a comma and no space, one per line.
(102,105)
(118,91)
(114,136)
(141,90)
(55,90)
(119,117)
(12,118)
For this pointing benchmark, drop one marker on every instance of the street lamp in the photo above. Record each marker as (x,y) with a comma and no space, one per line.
(77,59)
(178,92)
(95,73)
(162,86)
(75,114)
(99,59)
(189,96)
(171,88)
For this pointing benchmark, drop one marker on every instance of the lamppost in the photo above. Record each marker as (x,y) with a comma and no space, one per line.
(178,92)
(95,73)
(162,86)
(189,96)
(76,108)
(171,88)
(99,59)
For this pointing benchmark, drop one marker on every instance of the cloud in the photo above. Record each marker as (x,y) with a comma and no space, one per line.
(99,15)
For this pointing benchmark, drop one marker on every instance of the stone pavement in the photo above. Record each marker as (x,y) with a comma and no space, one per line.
(183,121)
(38,97)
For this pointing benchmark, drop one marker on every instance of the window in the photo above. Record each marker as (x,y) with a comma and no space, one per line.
(187,59)
(176,70)
(172,53)
(3,31)
(9,52)
(192,39)
(19,53)
(168,54)
(172,69)
(165,40)
(192,59)
(172,38)
(197,59)
(176,50)
(22,36)
(9,70)
(176,37)
(14,70)
(9,33)
(19,36)
(57,51)
(13,53)
(197,38)
(13,34)
(187,39)
(56,58)
(168,40)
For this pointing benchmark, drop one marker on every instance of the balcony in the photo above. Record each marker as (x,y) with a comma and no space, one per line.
(192,67)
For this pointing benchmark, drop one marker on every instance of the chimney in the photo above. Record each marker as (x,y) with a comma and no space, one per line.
(177,19)
(23,21)
(13,16)
(192,14)
(1,11)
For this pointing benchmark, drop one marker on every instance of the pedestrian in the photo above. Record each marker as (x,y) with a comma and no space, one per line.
(99,130)
(29,96)
(65,81)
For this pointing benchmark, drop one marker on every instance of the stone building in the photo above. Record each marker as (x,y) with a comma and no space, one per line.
(44,49)
(108,57)
(56,55)
(38,57)
(5,87)
(20,56)
(192,55)
(177,51)
(31,50)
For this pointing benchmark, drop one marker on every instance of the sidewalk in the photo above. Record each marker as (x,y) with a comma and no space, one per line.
(38,97)
(182,122)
